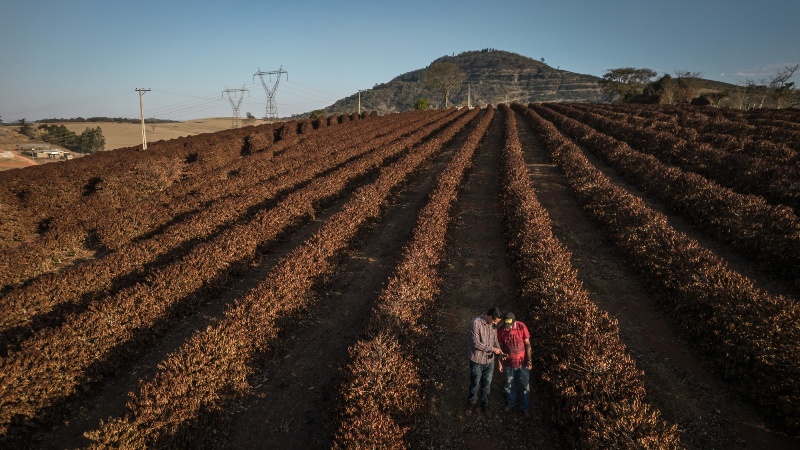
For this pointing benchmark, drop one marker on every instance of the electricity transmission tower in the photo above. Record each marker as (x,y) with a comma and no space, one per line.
(239,93)
(272,108)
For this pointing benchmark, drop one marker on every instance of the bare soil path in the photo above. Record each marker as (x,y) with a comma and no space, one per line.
(677,381)
(477,276)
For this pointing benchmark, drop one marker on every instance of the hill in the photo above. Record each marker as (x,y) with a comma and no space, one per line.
(493,76)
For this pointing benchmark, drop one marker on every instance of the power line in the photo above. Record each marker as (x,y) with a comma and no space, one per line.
(67,103)
(194,104)
(312,88)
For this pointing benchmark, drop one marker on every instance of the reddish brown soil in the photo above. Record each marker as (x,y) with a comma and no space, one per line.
(294,397)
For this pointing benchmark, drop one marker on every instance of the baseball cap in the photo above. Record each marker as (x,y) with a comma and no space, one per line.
(508,319)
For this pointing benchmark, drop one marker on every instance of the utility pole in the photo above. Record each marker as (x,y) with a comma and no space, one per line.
(272,108)
(237,104)
(141,112)
(359,100)
(469,97)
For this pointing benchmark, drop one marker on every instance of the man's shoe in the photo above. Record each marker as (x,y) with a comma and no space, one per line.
(527,413)
(468,411)
(487,412)
(509,408)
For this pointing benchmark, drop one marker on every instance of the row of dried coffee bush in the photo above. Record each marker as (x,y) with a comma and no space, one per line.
(769,234)
(71,206)
(54,364)
(779,145)
(232,179)
(105,200)
(593,390)
(751,337)
(777,121)
(776,125)
(82,177)
(779,184)
(210,371)
(44,300)
(381,394)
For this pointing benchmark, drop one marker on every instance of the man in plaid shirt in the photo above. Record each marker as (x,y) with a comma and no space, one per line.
(515,341)
(482,347)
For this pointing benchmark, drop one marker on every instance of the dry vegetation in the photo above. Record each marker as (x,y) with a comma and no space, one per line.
(179,277)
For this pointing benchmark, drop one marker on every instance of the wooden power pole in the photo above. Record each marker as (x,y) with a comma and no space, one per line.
(141,112)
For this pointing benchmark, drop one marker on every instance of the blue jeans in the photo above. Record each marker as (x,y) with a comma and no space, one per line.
(513,377)
(480,378)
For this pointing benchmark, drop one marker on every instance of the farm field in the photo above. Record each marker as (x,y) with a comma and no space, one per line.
(121,135)
(117,135)
(310,283)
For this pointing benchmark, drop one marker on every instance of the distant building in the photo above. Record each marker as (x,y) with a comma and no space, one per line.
(37,151)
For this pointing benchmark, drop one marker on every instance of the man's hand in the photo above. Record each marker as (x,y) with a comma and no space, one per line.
(529,365)
(500,366)
(497,351)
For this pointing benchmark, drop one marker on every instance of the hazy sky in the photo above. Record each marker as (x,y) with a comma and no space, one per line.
(85,57)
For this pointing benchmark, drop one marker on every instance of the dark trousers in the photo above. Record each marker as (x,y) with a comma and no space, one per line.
(480,381)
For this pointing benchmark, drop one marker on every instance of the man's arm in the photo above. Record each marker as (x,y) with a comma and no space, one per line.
(528,354)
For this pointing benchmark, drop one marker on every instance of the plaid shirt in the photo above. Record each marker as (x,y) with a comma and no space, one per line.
(482,339)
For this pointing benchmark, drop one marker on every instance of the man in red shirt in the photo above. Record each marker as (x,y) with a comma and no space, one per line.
(515,341)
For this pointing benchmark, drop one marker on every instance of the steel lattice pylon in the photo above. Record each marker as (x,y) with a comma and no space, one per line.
(272,107)
(237,104)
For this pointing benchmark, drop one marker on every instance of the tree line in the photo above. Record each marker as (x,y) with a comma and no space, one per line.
(633,85)
(90,141)
(105,119)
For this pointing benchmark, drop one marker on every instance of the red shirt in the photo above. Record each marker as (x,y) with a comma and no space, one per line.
(512,343)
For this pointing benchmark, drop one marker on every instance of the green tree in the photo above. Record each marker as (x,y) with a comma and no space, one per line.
(25,128)
(443,77)
(422,104)
(60,135)
(317,114)
(626,82)
(92,140)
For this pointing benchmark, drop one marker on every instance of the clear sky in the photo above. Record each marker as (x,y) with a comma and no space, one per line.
(83,58)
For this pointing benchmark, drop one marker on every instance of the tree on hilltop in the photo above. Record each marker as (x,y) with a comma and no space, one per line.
(626,82)
(443,77)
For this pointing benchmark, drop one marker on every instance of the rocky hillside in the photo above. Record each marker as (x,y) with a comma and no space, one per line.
(493,76)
